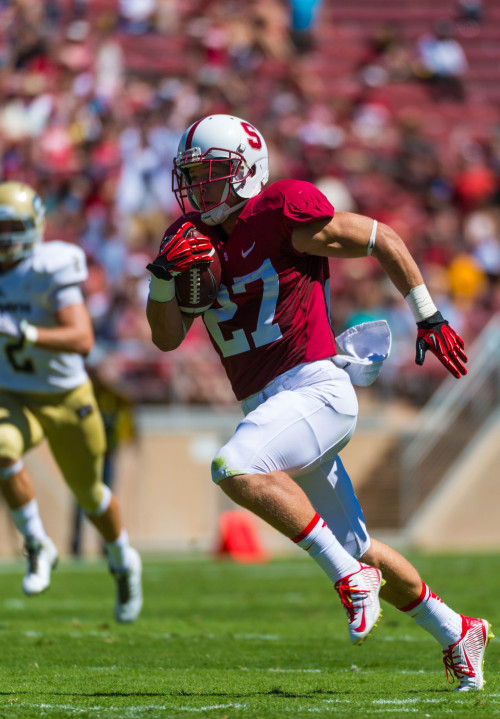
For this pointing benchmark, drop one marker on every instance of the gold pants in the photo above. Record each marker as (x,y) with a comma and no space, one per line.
(71,423)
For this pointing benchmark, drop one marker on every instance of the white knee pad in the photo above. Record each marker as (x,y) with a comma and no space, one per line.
(103,504)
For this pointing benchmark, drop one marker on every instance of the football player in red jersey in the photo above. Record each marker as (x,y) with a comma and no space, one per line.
(271,328)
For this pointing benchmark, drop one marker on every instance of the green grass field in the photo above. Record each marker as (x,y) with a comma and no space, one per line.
(218,639)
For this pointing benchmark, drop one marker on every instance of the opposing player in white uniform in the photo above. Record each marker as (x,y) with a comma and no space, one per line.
(45,332)
(270,326)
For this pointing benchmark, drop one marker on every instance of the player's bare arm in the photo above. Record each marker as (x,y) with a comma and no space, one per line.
(347,235)
(168,325)
(73,333)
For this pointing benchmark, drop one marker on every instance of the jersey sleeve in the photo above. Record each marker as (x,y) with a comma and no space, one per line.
(303,203)
(70,266)
(61,268)
(61,262)
(68,295)
(69,272)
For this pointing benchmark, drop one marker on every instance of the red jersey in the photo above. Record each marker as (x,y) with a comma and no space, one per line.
(272,309)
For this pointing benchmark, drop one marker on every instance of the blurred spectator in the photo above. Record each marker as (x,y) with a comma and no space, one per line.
(368,295)
(195,379)
(143,192)
(442,238)
(27,36)
(386,58)
(303,18)
(318,129)
(417,166)
(137,16)
(271,21)
(109,64)
(442,62)
(469,12)
(482,236)
(475,183)
(337,193)
(372,119)
(467,280)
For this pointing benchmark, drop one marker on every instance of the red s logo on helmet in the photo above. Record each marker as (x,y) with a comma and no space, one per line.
(253,138)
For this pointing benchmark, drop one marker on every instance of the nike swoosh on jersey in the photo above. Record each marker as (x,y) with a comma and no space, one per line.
(245,253)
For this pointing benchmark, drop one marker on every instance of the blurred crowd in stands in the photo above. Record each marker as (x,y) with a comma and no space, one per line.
(96,93)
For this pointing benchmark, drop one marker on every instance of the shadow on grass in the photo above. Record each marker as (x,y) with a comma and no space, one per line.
(230,695)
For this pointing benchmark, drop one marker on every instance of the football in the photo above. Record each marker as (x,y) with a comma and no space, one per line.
(197,288)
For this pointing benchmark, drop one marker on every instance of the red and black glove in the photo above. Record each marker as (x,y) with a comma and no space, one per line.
(436,335)
(179,252)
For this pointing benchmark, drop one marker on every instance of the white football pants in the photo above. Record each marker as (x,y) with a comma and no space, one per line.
(298,424)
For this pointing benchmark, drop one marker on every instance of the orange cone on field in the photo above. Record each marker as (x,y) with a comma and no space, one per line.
(239,538)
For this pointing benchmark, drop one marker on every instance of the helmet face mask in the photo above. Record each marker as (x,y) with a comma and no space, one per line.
(216,171)
(234,162)
(22,219)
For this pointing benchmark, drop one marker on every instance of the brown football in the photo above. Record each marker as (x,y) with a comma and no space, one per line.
(197,288)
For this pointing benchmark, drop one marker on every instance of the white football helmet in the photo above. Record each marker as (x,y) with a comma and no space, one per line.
(220,139)
(22,221)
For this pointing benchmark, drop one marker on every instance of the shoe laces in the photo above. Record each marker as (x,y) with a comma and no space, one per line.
(455,669)
(345,592)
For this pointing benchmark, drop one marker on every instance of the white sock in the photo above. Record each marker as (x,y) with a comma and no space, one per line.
(433,615)
(117,551)
(319,542)
(28,521)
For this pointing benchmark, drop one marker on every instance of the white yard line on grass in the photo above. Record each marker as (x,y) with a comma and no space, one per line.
(119,712)
(210,707)
(378,706)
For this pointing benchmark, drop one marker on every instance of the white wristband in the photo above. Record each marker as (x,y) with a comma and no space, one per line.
(30,332)
(161,290)
(371,241)
(420,303)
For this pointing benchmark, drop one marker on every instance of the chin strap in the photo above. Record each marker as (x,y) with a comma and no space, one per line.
(220,213)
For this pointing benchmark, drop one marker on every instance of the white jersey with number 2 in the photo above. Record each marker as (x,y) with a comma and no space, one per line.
(35,289)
